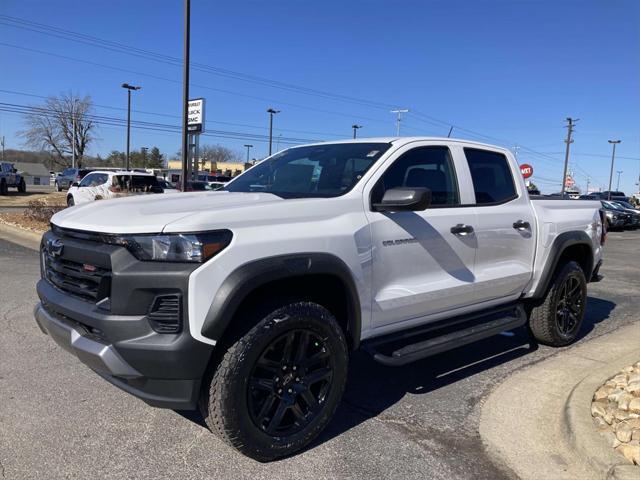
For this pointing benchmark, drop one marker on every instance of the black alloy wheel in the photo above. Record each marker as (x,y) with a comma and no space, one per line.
(290,382)
(569,306)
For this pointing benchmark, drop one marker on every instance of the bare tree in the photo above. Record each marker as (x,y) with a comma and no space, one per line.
(50,127)
(217,153)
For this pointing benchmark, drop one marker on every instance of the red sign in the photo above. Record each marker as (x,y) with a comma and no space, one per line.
(526,170)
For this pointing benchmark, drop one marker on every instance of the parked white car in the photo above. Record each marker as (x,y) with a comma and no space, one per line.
(105,184)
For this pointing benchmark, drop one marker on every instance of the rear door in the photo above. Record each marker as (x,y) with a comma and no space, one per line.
(420,267)
(505,229)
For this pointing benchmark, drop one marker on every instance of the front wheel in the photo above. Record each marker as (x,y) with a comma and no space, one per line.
(70,201)
(58,187)
(4,189)
(276,387)
(556,322)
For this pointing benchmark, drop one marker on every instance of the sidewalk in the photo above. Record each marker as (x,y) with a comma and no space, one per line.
(538,421)
(22,237)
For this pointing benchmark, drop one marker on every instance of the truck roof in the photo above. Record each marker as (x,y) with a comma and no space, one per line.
(399,141)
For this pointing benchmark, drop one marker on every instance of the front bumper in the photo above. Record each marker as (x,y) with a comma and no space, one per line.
(115,336)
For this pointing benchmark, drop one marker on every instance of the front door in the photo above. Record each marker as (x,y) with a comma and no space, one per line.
(420,266)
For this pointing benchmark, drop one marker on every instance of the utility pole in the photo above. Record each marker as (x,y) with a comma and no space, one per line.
(185,94)
(2,148)
(355,128)
(618,184)
(129,88)
(588,183)
(571,123)
(271,113)
(613,157)
(399,112)
(73,136)
(249,147)
(516,149)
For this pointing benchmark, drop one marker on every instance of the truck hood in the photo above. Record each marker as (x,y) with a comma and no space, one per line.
(153,213)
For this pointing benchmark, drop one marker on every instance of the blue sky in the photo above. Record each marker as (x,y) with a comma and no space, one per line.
(507,71)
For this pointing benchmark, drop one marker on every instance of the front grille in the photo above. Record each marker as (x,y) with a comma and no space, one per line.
(81,280)
(165,314)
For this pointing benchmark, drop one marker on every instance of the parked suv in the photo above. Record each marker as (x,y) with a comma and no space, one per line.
(247,302)
(68,176)
(9,177)
(102,185)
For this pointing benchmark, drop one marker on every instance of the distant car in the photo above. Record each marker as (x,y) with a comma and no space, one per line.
(68,176)
(615,216)
(615,195)
(167,186)
(215,181)
(196,186)
(633,213)
(105,184)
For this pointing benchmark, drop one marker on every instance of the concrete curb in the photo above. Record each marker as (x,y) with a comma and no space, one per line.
(22,237)
(581,432)
(538,421)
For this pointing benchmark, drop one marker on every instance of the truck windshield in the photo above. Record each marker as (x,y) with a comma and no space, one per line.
(327,170)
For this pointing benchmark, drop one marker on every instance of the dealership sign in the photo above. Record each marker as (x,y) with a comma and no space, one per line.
(526,170)
(195,115)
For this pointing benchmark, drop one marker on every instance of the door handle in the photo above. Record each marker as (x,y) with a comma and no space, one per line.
(461,229)
(521,225)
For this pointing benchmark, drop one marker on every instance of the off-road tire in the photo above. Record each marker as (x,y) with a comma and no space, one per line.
(543,319)
(4,189)
(225,396)
(22,186)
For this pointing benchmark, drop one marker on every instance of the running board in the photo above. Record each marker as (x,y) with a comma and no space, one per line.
(469,329)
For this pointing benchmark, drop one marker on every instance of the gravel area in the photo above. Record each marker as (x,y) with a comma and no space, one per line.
(616,412)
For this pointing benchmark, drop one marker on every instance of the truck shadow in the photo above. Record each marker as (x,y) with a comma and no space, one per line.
(373,388)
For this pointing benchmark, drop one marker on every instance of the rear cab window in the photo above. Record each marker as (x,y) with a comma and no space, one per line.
(491,175)
(135,183)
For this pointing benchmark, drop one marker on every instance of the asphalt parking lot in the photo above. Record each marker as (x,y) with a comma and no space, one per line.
(60,420)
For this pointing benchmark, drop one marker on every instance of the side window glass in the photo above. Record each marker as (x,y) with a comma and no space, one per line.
(491,175)
(428,167)
(86,181)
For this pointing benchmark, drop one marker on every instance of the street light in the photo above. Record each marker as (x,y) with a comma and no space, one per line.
(618,184)
(271,113)
(144,156)
(613,157)
(355,128)
(249,147)
(129,88)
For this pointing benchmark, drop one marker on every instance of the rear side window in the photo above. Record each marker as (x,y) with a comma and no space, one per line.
(428,167)
(491,175)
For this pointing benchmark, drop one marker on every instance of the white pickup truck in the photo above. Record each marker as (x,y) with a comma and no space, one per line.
(246,302)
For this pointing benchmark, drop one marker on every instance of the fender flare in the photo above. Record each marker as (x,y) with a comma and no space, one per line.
(560,244)
(246,278)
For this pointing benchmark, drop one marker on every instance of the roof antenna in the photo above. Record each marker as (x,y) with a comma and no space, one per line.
(450,130)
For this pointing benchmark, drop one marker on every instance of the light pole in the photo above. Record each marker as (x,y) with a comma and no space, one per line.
(249,147)
(618,184)
(128,88)
(613,157)
(144,156)
(399,112)
(355,128)
(271,113)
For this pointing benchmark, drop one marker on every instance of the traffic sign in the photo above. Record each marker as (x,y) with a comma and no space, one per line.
(526,170)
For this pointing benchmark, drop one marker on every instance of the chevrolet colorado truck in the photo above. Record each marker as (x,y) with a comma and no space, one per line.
(246,302)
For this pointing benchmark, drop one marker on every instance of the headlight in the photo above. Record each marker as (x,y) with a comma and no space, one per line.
(175,247)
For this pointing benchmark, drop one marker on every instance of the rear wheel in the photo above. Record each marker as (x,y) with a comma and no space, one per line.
(22,186)
(58,187)
(556,322)
(277,386)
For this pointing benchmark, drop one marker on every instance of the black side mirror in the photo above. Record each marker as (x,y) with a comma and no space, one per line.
(14,170)
(75,184)
(404,199)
